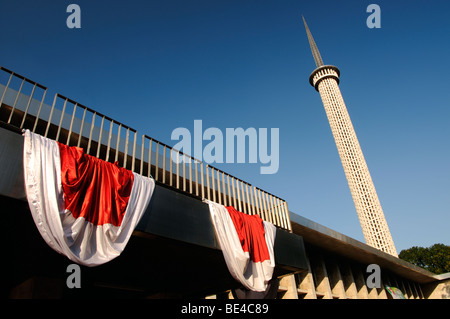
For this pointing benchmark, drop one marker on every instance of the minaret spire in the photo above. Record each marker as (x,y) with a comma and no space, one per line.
(325,79)
(312,44)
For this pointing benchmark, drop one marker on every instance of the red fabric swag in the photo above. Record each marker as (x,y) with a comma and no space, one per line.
(250,229)
(94,189)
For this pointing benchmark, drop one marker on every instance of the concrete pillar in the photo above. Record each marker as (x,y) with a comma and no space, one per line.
(306,283)
(289,287)
(335,278)
(320,274)
(363,292)
(349,282)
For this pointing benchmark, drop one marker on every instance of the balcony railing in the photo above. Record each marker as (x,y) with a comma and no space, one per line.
(23,105)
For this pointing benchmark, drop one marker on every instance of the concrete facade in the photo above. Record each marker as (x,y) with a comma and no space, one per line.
(337,269)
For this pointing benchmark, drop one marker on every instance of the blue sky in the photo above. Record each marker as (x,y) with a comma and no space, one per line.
(159,65)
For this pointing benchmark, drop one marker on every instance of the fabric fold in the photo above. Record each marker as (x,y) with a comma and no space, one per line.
(84,208)
(247,245)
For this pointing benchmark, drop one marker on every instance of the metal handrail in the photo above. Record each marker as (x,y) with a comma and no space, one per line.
(99,135)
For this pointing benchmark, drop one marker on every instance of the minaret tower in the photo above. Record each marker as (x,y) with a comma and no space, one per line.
(325,79)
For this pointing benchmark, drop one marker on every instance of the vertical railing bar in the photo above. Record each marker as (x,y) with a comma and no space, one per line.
(213,179)
(244,206)
(257,207)
(257,210)
(71,123)
(261,208)
(108,147)
(269,206)
(61,120)
(243,198)
(261,205)
(170,169)
(196,177)
(81,128)
(15,101)
(224,190)
(265,204)
(279,209)
(229,190)
(287,216)
(219,194)
(207,180)
(249,207)
(133,157)
(190,175)
(201,178)
(157,162)
(116,156)
(125,156)
(274,214)
(252,201)
(272,201)
(184,172)
(39,111)
(51,115)
(164,165)
(28,105)
(278,212)
(283,214)
(99,144)
(90,133)
(269,209)
(177,165)
(238,192)
(275,210)
(141,169)
(239,195)
(178,170)
(6,88)
(150,157)
(234,193)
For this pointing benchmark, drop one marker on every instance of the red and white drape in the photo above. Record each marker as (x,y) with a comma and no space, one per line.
(247,245)
(84,207)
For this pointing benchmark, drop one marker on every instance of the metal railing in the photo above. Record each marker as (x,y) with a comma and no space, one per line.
(22,105)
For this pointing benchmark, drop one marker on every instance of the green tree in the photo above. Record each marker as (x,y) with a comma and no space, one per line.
(435,258)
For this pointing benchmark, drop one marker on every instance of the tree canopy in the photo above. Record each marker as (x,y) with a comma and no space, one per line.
(435,258)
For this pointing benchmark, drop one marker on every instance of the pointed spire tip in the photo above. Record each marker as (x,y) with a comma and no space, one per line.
(312,44)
